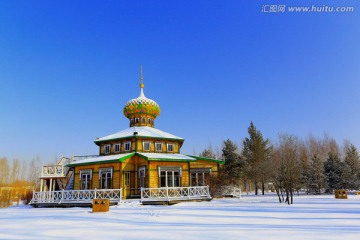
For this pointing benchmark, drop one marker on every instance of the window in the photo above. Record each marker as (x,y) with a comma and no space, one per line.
(170,147)
(142,176)
(117,147)
(149,120)
(146,146)
(136,120)
(170,176)
(143,120)
(127,146)
(107,149)
(85,179)
(200,177)
(132,121)
(105,176)
(158,147)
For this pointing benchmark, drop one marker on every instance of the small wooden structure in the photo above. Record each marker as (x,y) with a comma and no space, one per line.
(341,194)
(100,205)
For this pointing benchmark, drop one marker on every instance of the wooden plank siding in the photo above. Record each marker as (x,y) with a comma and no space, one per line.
(206,164)
(132,166)
(154,175)
(95,182)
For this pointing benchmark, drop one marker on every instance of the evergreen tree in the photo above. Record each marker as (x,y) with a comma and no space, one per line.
(316,175)
(305,181)
(352,169)
(230,172)
(333,169)
(208,153)
(256,153)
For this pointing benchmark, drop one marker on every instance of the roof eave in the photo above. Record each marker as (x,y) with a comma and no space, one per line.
(97,142)
(207,159)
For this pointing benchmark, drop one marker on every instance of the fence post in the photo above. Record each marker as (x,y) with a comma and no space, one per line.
(167,193)
(62,195)
(95,193)
(32,200)
(141,193)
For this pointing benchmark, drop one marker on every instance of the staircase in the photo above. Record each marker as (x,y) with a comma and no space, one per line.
(70,180)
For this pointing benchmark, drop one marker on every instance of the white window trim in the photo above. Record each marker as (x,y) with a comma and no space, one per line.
(105,146)
(167,147)
(86,171)
(161,144)
(137,120)
(118,144)
(126,143)
(171,169)
(105,170)
(144,146)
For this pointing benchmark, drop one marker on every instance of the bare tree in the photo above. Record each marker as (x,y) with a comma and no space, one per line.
(34,171)
(15,170)
(4,171)
(289,164)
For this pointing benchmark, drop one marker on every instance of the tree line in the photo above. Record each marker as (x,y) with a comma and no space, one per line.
(314,165)
(17,174)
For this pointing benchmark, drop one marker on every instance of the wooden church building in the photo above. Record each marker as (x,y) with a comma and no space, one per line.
(141,161)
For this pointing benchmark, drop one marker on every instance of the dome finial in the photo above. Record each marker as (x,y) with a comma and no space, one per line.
(141,77)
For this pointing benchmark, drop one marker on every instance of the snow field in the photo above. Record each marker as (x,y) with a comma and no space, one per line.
(252,217)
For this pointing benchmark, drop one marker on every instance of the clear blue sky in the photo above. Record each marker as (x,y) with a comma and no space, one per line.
(68,67)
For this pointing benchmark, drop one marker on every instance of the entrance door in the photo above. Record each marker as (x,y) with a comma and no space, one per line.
(142,177)
(127,182)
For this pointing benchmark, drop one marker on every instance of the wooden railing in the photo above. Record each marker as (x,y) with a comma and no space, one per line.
(231,191)
(175,193)
(53,171)
(76,196)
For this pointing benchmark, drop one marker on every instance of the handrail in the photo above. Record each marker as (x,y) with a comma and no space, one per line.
(175,193)
(76,196)
(53,171)
(231,191)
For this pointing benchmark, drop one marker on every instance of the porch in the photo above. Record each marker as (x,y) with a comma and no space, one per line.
(83,198)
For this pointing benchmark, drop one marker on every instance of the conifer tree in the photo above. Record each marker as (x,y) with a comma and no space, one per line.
(230,172)
(352,170)
(208,153)
(316,175)
(333,170)
(256,153)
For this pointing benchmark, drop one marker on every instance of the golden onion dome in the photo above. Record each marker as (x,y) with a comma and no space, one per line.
(141,105)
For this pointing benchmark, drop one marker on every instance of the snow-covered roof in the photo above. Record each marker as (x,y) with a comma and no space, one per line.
(99,159)
(144,131)
(166,156)
(148,156)
(122,157)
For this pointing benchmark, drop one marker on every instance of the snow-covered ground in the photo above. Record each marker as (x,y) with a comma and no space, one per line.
(252,217)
